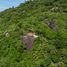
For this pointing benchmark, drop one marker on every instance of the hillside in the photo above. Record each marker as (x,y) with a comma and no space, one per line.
(48,19)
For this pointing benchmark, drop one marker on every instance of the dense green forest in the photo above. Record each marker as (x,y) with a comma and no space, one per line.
(48,19)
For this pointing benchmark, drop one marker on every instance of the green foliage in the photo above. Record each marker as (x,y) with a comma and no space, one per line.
(48,49)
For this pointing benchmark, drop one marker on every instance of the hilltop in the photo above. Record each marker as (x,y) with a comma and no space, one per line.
(48,19)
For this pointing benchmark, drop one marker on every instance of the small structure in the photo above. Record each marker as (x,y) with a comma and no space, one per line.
(28,39)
